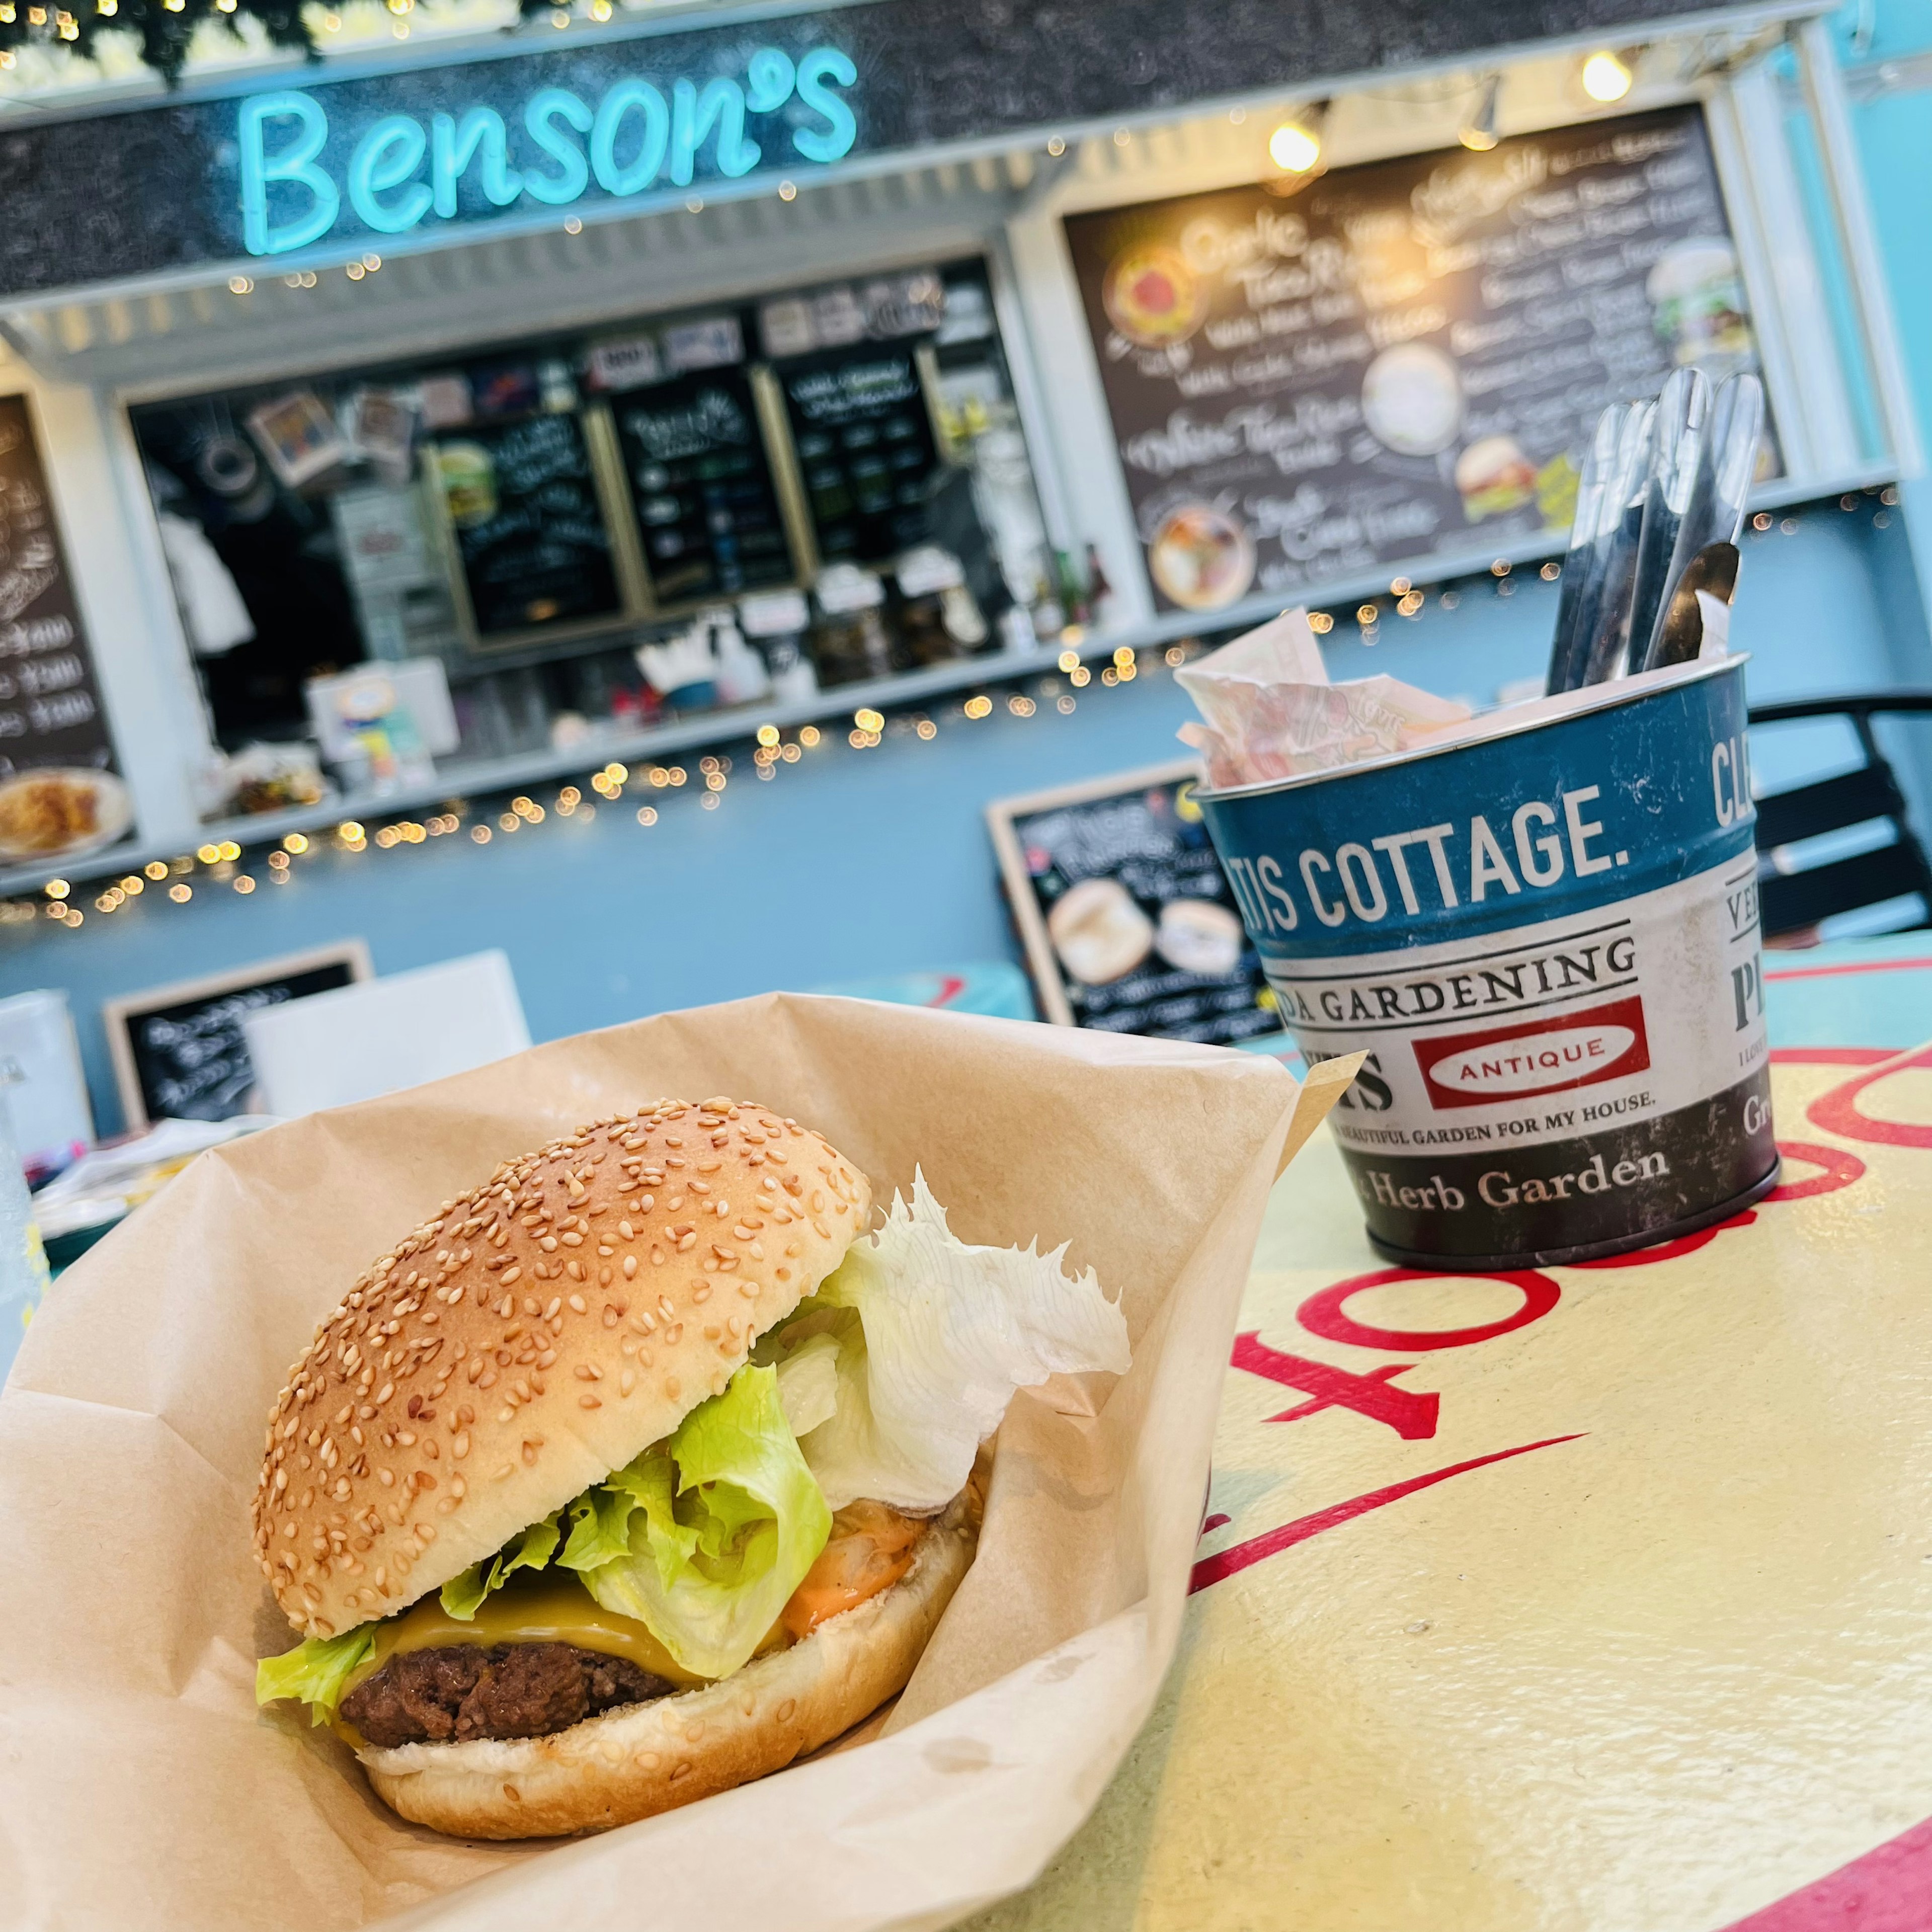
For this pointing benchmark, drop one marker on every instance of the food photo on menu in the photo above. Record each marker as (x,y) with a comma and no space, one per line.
(60,797)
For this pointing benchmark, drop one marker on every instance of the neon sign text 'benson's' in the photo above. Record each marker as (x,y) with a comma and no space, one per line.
(400,173)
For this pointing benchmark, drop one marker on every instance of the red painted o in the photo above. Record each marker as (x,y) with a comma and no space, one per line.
(1838,1112)
(1841,1169)
(1322,1314)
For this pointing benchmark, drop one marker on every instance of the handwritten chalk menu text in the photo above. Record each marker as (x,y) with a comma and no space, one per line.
(534,547)
(1403,360)
(866,448)
(49,703)
(191,1059)
(702,487)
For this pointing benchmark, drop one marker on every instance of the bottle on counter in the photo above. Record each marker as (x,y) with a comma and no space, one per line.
(742,675)
(938,620)
(1098,588)
(1072,592)
(776,622)
(1016,631)
(849,642)
(1048,613)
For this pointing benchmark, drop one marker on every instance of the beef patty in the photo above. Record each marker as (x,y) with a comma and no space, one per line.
(463,1691)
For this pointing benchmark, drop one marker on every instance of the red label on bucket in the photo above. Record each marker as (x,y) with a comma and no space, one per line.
(1517,1062)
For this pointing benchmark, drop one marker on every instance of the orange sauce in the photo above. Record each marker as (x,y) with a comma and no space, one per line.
(870,1549)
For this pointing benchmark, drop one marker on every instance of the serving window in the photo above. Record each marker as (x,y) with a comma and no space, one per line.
(594,530)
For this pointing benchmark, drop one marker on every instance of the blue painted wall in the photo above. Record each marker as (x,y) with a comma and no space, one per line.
(852,863)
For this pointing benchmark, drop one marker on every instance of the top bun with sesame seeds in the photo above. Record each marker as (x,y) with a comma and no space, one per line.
(542,1331)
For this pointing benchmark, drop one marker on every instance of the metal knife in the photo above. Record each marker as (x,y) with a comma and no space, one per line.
(1709,580)
(1577,599)
(1683,411)
(1725,471)
(1623,514)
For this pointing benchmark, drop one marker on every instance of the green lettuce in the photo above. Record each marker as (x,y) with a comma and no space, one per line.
(702,1538)
(908,1353)
(718,1527)
(531,1549)
(808,1366)
(315,1671)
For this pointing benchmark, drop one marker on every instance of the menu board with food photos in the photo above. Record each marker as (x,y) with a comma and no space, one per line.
(1125,914)
(865,449)
(1402,360)
(702,487)
(531,538)
(59,795)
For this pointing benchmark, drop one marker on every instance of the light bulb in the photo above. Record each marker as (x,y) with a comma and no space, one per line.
(1294,147)
(1478,133)
(1606,76)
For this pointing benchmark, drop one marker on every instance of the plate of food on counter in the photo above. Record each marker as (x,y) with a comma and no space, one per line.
(61,812)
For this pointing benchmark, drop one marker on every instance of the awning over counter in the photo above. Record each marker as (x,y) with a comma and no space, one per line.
(417,302)
(310,167)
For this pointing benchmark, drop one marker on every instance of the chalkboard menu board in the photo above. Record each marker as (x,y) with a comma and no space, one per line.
(702,488)
(1126,915)
(1403,359)
(59,793)
(532,540)
(865,449)
(179,1052)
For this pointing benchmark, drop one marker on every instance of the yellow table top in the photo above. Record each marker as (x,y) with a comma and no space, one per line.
(1599,1597)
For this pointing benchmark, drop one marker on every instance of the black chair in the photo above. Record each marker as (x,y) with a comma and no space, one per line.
(1793,901)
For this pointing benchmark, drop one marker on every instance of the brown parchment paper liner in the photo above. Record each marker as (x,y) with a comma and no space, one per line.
(140,1788)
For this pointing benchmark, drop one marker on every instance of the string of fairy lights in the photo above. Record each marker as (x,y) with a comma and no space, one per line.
(647,791)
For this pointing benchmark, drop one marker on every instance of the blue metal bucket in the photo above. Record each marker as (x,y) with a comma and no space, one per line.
(1546,941)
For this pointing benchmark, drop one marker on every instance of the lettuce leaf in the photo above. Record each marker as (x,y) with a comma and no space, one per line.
(703,1538)
(809,1382)
(530,1550)
(932,1337)
(720,1526)
(315,1671)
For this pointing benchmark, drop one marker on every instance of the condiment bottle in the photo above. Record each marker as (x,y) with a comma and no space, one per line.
(848,642)
(925,576)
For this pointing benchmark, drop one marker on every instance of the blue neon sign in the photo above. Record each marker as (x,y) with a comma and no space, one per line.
(399,173)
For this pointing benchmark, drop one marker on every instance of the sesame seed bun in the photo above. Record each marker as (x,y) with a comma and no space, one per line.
(642,1759)
(532,1336)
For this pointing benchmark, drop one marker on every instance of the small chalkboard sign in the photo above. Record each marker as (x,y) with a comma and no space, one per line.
(866,451)
(702,487)
(1125,914)
(179,1051)
(526,514)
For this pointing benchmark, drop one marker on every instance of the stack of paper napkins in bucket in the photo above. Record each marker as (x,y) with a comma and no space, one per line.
(1271,712)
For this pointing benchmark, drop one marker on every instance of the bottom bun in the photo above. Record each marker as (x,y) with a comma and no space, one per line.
(642,1758)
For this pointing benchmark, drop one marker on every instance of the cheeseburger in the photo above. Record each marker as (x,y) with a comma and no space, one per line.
(642,1469)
